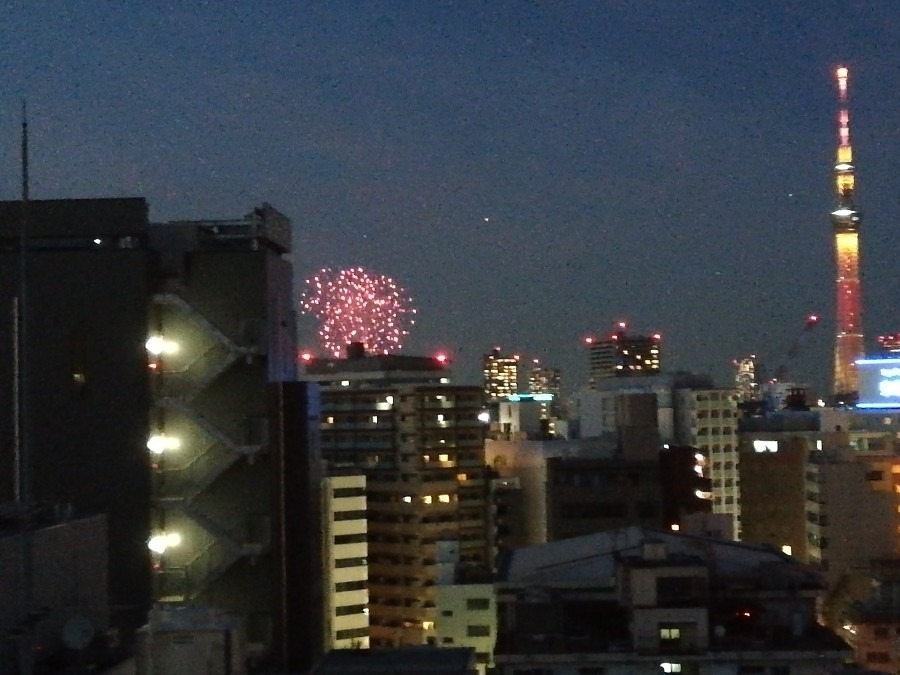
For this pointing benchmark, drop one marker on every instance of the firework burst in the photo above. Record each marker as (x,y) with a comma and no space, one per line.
(357,305)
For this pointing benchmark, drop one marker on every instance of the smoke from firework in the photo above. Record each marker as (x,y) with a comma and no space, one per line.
(357,305)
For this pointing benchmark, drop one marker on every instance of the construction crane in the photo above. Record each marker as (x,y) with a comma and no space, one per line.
(811,322)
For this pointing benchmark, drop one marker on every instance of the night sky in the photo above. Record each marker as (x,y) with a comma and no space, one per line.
(530,171)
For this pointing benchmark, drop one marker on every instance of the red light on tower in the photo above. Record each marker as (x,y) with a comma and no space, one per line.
(589,340)
(442,358)
(306,357)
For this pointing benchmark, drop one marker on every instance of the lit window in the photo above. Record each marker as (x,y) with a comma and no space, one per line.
(444,499)
(345,383)
(428,625)
(440,418)
(445,380)
(444,458)
(408,499)
(426,458)
(389,400)
(329,420)
(374,419)
(670,667)
(427,499)
(765,446)
(462,478)
(787,549)
(669,633)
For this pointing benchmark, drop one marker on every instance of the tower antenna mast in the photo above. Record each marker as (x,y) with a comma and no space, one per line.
(848,345)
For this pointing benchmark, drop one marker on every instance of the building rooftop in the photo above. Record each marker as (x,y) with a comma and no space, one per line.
(412,660)
(592,559)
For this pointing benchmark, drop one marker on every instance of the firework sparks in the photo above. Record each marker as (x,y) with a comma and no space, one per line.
(356,305)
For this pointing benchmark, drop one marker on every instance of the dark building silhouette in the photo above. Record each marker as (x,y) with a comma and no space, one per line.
(159,390)
(89,270)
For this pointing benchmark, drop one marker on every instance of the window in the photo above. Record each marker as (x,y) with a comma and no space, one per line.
(350,515)
(447,612)
(478,603)
(358,585)
(349,609)
(669,633)
(349,562)
(349,492)
(447,640)
(350,538)
(878,657)
(875,475)
(670,667)
(478,631)
(352,633)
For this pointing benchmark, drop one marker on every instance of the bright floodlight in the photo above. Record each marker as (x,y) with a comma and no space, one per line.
(160,443)
(159,543)
(157,345)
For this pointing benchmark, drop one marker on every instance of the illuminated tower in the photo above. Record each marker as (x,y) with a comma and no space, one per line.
(501,375)
(848,344)
(622,355)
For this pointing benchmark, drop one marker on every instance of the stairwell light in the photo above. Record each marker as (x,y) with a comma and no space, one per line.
(160,543)
(160,443)
(158,345)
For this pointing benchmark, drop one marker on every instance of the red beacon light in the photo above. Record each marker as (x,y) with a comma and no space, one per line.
(588,340)
(442,358)
(306,357)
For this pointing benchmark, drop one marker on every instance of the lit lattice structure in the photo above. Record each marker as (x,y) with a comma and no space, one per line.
(848,346)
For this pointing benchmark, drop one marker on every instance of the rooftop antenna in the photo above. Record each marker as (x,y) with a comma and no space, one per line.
(22,464)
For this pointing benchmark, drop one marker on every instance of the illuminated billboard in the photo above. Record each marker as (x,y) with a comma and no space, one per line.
(879,383)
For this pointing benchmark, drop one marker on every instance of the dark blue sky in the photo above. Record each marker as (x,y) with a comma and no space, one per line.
(664,162)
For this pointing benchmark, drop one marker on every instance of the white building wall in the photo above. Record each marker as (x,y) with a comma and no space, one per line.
(467,617)
(707,419)
(346,571)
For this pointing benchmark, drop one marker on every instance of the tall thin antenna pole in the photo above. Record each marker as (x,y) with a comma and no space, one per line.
(23,460)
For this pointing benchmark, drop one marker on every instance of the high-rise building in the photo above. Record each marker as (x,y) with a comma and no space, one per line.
(158,390)
(419,442)
(346,583)
(707,419)
(501,375)
(889,345)
(745,378)
(82,382)
(543,380)
(845,218)
(623,355)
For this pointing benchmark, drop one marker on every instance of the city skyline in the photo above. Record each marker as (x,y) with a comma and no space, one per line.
(531,174)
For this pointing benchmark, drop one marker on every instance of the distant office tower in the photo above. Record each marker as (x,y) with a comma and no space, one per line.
(419,442)
(542,380)
(623,355)
(846,220)
(889,344)
(501,375)
(745,378)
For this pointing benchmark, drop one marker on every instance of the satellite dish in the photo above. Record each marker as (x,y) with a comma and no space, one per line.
(78,632)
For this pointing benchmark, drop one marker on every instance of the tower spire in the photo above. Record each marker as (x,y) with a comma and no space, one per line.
(845,218)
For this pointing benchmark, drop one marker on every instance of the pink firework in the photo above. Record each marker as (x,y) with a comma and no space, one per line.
(356,305)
